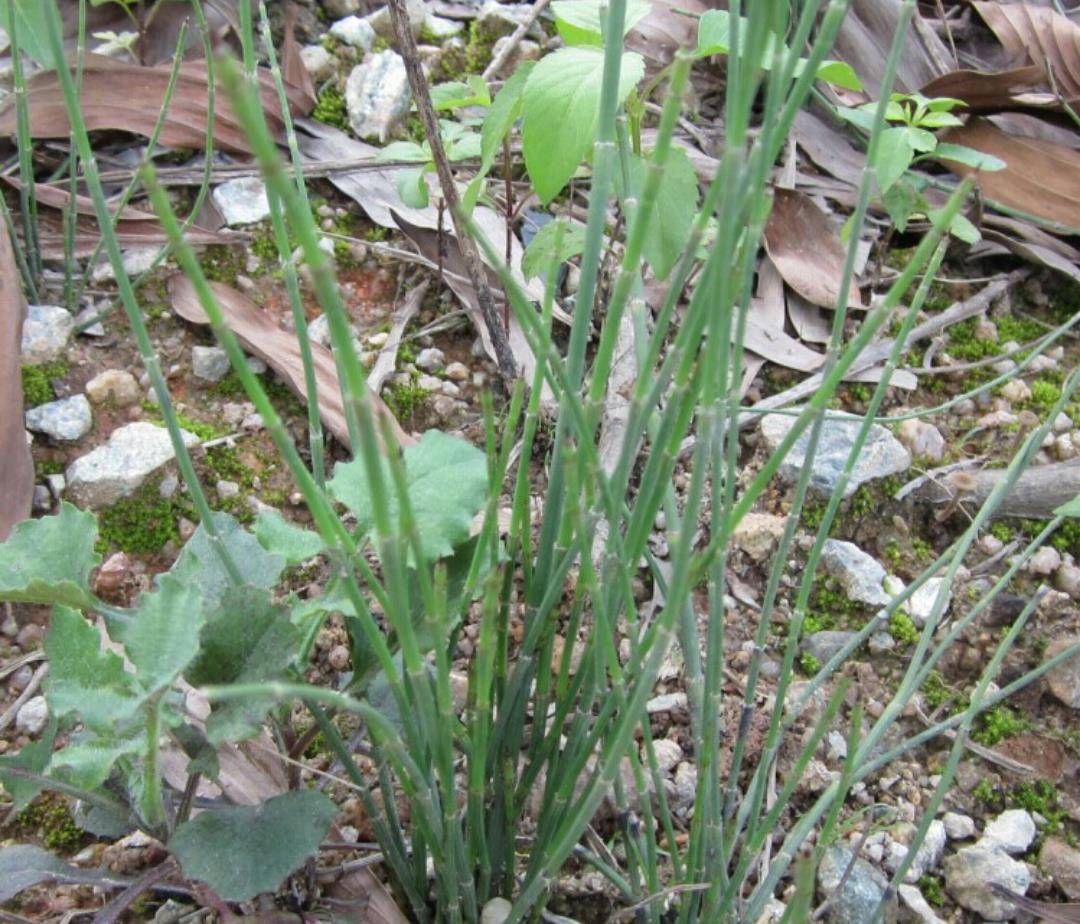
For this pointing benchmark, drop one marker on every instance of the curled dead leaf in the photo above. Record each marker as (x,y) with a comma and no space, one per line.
(1040,36)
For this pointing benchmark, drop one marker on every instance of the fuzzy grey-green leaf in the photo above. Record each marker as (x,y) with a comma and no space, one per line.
(244,850)
(280,537)
(446,479)
(49,560)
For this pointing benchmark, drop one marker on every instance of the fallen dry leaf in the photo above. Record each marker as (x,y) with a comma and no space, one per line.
(828,146)
(293,70)
(135,228)
(1042,179)
(1040,36)
(805,247)
(363,899)
(996,90)
(17,469)
(671,25)
(125,97)
(280,350)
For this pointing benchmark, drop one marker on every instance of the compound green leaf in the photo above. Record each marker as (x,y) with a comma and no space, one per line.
(280,537)
(83,679)
(242,851)
(162,637)
(580,22)
(541,251)
(446,479)
(562,109)
(49,560)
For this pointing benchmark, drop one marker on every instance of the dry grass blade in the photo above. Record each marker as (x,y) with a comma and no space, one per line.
(17,468)
(806,249)
(1041,179)
(279,349)
(125,97)
(1050,913)
(1040,36)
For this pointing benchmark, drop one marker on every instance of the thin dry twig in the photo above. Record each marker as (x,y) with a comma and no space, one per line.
(512,43)
(477,273)
(31,688)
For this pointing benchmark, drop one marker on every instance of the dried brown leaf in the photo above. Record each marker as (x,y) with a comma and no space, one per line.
(994,91)
(280,350)
(828,146)
(17,468)
(363,899)
(1042,179)
(671,25)
(1040,36)
(805,247)
(125,97)
(293,69)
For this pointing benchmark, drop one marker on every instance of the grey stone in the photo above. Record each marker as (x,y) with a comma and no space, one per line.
(136,261)
(117,468)
(1064,680)
(380,20)
(922,439)
(56,484)
(457,372)
(1012,831)
(758,533)
(857,898)
(495,911)
(340,7)
(45,334)
(1067,580)
(1062,862)
(499,19)
(32,716)
(971,871)
(242,201)
(1044,562)
(860,574)
(881,455)
(880,643)
(354,32)
(227,489)
(66,420)
(41,500)
(686,780)
(958,827)
(668,754)
(113,385)
(377,95)
(319,62)
(920,603)
(926,857)
(97,329)
(823,645)
(210,363)
(256,365)
(439,27)
(431,359)
(917,906)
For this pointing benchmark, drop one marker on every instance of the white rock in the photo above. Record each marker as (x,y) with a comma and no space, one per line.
(66,420)
(355,32)
(969,873)
(380,20)
(958,827)
(668,754)
(377,95)
(136,261)
(495,911)
(1016,391)
(431,359)
(118,467)
(242,201)
(378,340)
(319,62)
(1044,562)
(1067,580)
(860,574)
(919,907)
(457,372)
(32,716)
(922,439)
(210,363)
(439,27)
(45,334)
(921,603)
(1062,423)
(1012,831)
(227,489)
(338,8)
(758,533)
(113,385)
(926,858)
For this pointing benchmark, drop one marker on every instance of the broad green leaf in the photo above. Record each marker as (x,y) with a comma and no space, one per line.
(244,850)
(540,253)
(1069,508)
(862,117)
(505,110)
(34,757)
(580,22)
(250,639)
(49,560)
(202,755)
(962,154)
(404,150)
(963,230)
(83,679)
(562,105)
(280,537)
(714,33)
(838,73)
(447,482)
(920,139)
(673,214)
(939,120)
(30,29)
(464,146)
(456,94)
(101,821)
(412,187)
(162,638)
(24,865)
(200,564)
(901,201)
(894,156)
(88,763)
